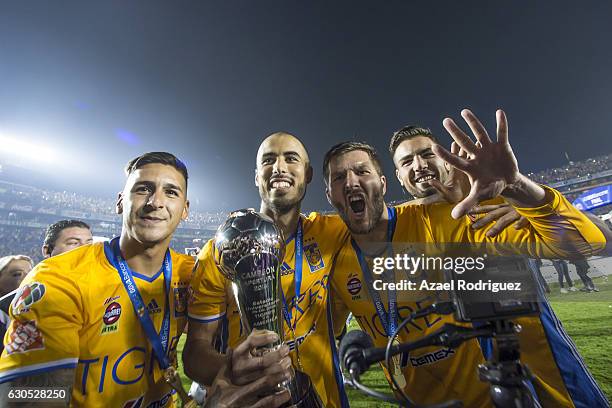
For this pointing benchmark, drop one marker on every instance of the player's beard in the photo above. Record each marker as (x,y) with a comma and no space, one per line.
(288,202)
(425,191)
(374,207)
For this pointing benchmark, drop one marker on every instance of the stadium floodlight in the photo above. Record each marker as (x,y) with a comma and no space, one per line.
(35,152)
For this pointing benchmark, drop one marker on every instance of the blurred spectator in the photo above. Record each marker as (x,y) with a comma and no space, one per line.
(13,269)
(65,235)
(563,271)
(582,268)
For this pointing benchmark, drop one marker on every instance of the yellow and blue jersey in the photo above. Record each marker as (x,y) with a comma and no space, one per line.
(72,311)
(310,311)
(435,374)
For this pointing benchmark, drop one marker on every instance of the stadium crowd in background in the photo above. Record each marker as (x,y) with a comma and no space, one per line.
(18,198)
(573,169)
(23,211)
(21,240)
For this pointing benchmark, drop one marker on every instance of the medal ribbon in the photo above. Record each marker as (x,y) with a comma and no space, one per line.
(159,342)
(297,277)
(388,319)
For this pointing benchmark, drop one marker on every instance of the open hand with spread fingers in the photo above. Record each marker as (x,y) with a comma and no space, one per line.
(491,167)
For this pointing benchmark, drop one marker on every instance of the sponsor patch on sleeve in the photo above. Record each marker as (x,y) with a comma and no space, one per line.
(27,296)
(23,337)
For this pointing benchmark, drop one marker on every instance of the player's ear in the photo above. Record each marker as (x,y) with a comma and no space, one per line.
(256,182)
(383,179)
(185,213)
(46,251)
(309,172)
(397,174)
(328,195)
(119,204)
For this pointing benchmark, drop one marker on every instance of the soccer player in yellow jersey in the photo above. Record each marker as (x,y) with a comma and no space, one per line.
(282,173)
(356,186)
(80,318)
(561,376)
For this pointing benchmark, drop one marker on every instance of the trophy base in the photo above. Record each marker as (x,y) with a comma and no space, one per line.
(306,395)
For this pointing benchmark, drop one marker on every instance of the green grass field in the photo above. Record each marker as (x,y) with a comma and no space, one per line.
(587,317)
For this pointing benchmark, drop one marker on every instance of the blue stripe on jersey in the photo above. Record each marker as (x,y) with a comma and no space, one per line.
(534,394)
(207,320)
(336,360)
(486,343)
(224,335)
(35,371)
(580,384)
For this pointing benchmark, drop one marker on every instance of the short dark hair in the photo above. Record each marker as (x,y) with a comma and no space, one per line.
(157,158)
(406,133)
(54,230)
(346,147)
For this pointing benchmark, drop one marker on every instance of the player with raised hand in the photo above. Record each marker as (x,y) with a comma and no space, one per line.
(356,186)
(430,179)
(491,167)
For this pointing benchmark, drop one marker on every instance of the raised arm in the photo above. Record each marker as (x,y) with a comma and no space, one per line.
(491,167)
(557,228)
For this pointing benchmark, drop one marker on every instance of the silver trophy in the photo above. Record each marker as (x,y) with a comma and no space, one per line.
(250,249)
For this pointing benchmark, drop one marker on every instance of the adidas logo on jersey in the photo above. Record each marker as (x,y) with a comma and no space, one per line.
(153,307)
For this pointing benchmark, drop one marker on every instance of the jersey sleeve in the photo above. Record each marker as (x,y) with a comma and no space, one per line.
(339,312)
(557,230)
(207,298)
(563,227)
(46,317)
(335,237)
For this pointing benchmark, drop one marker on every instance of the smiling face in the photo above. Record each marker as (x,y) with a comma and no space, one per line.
(12,275)
(153,203)
(416,164)
(356,190)
(282,173)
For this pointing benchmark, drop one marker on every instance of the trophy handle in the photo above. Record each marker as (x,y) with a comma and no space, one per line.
(303,393)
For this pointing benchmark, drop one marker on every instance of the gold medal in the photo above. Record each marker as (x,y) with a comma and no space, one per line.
(395,370)
(173,378)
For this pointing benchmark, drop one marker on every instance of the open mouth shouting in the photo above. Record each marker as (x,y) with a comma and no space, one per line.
(357,204)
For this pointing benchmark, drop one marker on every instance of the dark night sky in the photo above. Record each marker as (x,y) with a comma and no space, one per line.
(103,82)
